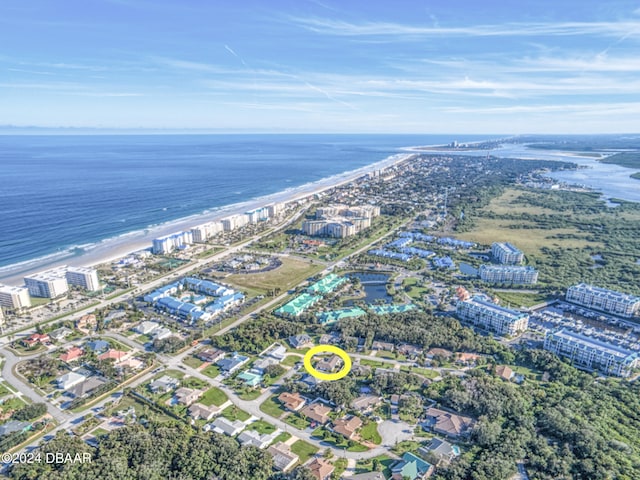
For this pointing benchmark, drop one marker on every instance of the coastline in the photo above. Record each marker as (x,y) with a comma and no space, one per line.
(114,248)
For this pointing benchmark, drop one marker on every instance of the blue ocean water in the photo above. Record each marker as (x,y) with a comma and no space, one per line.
(58,192)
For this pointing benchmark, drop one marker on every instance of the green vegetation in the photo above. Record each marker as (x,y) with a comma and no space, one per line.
(380,463)
(304,450)
(517,299)
(283,437)
(272,407)
(560,232)
(155,452)
(297,421)
(192,361)
(288,275)
(624,159)
(291,360)
(214,396)
(370,433)
(338,441)
(405,446)
(635,175)
(234,413)
(262,427)
(211,371)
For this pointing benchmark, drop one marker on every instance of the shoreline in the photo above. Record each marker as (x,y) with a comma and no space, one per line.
(113,248)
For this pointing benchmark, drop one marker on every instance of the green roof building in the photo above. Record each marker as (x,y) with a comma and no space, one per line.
(327,284)
(298,305)
(395,308)
(250,378)
(332,316)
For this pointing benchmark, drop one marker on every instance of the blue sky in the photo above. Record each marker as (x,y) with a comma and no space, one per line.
(322,66)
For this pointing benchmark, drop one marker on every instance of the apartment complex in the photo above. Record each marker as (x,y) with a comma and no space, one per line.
(508,274)
(592,354)
(605,300)
(201,233)
(507,254)
(168,243)
(488,315)
(84,277)
(50,284)
(14,298)
(340,221)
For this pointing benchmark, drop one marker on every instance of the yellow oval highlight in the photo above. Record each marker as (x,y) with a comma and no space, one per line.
(346,359)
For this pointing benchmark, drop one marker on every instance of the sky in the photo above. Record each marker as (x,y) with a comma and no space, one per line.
(508,67)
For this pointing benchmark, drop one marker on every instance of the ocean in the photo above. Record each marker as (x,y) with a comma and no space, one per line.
(63,194)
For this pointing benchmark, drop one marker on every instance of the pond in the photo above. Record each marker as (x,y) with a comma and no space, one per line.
(374,286)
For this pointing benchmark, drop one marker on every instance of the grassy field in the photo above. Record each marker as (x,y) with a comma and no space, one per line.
(516,299)
(211,371)
(297,422)
(370,433)
(363,466)
(415,292)
(283,437)
(289,274)
(214,396)
(192,361)
(304,450)
(272,407)
(291,360)
(522,233)
(234,413)
(261,427)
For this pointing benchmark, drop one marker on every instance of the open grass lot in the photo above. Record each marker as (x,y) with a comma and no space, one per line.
(192,361)
(373,363)
(516,299)
(214,396)
(363,466)
(412,289)
(304,450)
(338,441)
(425,372)
(272,407)
(370,433)
(297,421)
(291,360)
(211,371)
(283,437)
(289,274)
(234,413)
(261,427)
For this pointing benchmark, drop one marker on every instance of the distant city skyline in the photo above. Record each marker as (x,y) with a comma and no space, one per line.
(321,66)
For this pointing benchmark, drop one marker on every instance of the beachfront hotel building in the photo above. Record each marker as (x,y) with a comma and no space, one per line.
(490,316)
(233,222)
(14,298)
(168,243)
(608,301)
(508,274)
(507,254)
(340,221)
(47,284)
(201,233)
(592,354)
(84,277)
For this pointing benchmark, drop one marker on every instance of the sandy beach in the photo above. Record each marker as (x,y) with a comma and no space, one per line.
(114,248)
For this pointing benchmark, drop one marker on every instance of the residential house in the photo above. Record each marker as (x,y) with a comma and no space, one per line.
(439,352)
(257,439)
(411,467)
(367,476)
(262,363)
(277,351)
(68,380)
(291,401)
(187,396)
(449,424)
(409,350)
(161,333)
(467,358)
(98,346)
(504,372)
(199,411)
(116,355)
(329,364)
(347,426)
(131,363)
(366,403)
(320,469)
(251,378)
(211,355)
(36,338)
(86,387)
(283,458)
(227,427)
(87,323)
(231,364)
(441,449)
(329,339)
(72,354)
(164,384)
(361,370)
(317,412)
(60,333)
(13,426)
(383,346)
(301,341)
(145,328)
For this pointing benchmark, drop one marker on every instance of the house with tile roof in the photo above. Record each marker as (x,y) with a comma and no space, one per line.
(317,412)
(321,469)
(447,423)
(292,401)
(72,354)
(347,426)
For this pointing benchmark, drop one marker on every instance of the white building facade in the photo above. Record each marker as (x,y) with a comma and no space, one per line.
(490,316)
(609,301)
